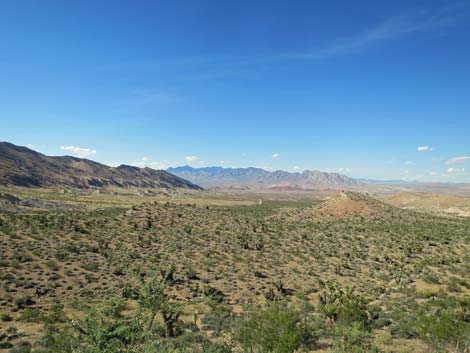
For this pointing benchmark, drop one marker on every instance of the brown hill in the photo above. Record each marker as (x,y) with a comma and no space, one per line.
(344,205)
(22,166)
(347,204)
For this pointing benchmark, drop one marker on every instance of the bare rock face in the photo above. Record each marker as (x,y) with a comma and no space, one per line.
(22,166)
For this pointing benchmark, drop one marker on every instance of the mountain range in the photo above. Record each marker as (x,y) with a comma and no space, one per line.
(257,178)
(22,166)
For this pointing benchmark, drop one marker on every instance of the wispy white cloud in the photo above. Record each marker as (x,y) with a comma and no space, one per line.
(456,170)
(217,66)
(438,176)
(393,27)
(147,162)
(276,155)
(227,163)
(79,151)
(424,149)
(194,159)
(154,164)
(409,163)
(458,160)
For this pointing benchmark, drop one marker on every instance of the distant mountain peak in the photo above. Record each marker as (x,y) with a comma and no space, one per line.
(258,178)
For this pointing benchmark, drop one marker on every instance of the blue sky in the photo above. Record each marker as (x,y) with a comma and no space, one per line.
(355,87)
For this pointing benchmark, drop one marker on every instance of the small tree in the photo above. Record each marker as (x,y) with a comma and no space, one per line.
(341,306)
(152,301)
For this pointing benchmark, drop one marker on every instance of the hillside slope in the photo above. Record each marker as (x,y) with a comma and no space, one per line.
(21,166)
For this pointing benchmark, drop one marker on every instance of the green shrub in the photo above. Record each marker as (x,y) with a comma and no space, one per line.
(22,347)
(217,319)
(55,315)
(428,293)
(214,294)
(129,291)
(91,266)
(23,301)
(442,330)
(5,317)
(31,315)
(276,329)
(52,265)
(405,327)
(168,274)
(5,345)
(354,311)
(189,272)
(431,278)
(352,339)
(105,329)
(453,286)
(341,306)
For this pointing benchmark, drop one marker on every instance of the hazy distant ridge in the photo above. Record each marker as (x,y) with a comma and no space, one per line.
(257,178)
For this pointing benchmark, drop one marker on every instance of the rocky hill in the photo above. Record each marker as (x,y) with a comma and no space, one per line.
(257,178)
(22,166)
(346,204)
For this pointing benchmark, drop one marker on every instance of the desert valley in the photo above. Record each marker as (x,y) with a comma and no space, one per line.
(236,176)
(139,260)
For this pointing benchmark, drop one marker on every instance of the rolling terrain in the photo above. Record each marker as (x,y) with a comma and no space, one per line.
(221,262)
(432,202)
